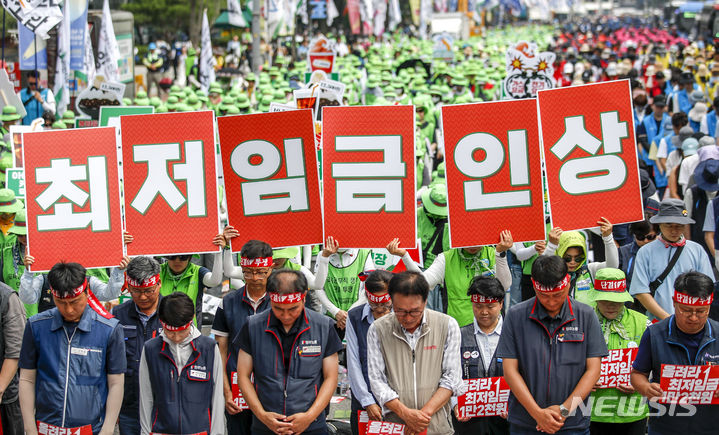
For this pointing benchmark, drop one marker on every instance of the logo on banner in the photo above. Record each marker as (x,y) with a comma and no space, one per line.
(258,161)
(159,183)
(358,194)
(528,72)
(62,178)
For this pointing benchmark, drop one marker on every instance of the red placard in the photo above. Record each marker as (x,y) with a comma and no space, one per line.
(494,172)
(48,429)
(617,367)
(171,196)
(271,180)
(237,394)
(368,177)
(73,197)
(689,384)
(485,397)
(590,153)
(371,427)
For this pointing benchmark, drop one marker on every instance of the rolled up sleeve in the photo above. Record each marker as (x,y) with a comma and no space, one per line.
(451,363)
(376,370)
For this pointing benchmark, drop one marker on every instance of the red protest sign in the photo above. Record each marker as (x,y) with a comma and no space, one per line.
(590,154)
(171,196)
(485,397)
(494,172)
(237,394)
(48,429)
(689,384)
(271,179)
(368,175)
(73,197)
(616,367)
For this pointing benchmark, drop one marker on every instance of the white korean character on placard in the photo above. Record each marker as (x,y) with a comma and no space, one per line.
(601,171)
(159,183)
(61,177)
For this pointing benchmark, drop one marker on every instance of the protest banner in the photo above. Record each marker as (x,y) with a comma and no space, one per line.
(369,175)
(15,181)
(694,385)
(590,154)
(110,115)
(169,171)
(528,70)
(271,178)
(494,172)
(73,192)
(616,367)
(367,426)
(237,398)
(485,397)
(37,16)
(321,54)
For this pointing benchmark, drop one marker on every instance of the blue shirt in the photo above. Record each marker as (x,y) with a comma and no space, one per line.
(360,390)
(653,258)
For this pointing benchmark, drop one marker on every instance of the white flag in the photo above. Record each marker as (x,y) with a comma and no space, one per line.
(62,69)
(207,60)
(88,63)
(235,14)
(395,15)
(108,52)
(332,12)
(366,15)
(380,14)
(38,16)
(425,12)
(275,16)
(302,11)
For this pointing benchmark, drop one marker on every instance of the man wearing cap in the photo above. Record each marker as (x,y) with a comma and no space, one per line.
(12,259)
(706,177)
(413,359)
(154,62)
(478,351)
(35,98)
(292,353)
(652,128)
(688,148)
(139,321)
(12,316)
(617,408)
(681,99)
(687,337)
(546,391)
(9,118)
(709,122)
(255,266)
(666,145)
(72,362)
(432,226)
(660,262)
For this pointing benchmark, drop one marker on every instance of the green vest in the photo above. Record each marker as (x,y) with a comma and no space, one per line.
(458,275)
(342,285)
(623,408)
(12,270)
(425,230)
(527,264)
(187,283)
(100,273)
(292,266)
(583,287)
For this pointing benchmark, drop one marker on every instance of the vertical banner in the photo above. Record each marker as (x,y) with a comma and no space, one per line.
(353,10)
(27,49)
(494,172)
(78,27)
(590,153)
(171,196)
(368,175)
(73,197)
(271,180)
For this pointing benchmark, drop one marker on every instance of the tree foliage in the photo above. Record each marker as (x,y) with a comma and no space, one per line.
(165,18)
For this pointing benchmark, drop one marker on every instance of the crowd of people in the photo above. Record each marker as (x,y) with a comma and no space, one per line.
(542,314)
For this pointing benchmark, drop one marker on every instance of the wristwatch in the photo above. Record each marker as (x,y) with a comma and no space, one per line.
(563,411)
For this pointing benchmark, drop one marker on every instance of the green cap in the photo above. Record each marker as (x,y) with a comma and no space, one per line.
(610,285)
(290,252)
(141,94)
(434,200)
(20,226)
(155,101)
(161,109)
(58,125)
(8,203)
(9,113)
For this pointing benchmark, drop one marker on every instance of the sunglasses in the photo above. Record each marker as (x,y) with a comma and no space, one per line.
(179,257)
(646,237)
(575,258)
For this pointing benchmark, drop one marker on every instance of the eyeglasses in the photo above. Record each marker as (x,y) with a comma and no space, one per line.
(146,292)
(251,273)
(651,236)
(380,308)
(689,313)
(32,83)
(575,258)
(412,313)
(179,257)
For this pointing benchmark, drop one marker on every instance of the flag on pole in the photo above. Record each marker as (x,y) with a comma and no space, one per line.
(395,15)
(62,74)
(302,11)
(332,12)
(367,16)
(425,12)
(108,52)
(235,14)
(207,60)
(380,7)
(87,74)
(38,16)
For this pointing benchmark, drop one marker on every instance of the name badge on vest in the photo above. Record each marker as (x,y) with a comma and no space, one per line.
(311,350)
(197,373)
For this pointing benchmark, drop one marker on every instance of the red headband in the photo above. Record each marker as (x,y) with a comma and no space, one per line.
(377,299)
(147,282)
(545,289)
(289,298)
(685,299)
(611,285)
(256,262)
(73,293)
(167,327)
(481,299)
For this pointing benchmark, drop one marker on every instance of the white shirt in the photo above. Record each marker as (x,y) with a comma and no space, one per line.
(487,343)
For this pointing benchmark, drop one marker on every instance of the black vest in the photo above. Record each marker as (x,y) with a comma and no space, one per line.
(360,327)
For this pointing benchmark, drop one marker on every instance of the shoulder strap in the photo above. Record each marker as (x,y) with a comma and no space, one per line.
(654,285)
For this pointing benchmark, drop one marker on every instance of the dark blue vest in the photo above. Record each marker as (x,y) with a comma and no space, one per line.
(135,337)
(237,309)
(182,395)
(712,123)
(668,349)
(654,133)
(294,391)
(33,107)
(360,327)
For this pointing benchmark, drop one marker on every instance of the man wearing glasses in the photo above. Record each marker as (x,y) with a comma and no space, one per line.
(140,323)
(413,359)
(36,100)
(688,337)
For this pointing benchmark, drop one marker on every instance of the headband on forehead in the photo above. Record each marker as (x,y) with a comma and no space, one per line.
(546,289)
(289,298)
(256,262)
(482,299)
(685,299)
(167,327)
(610,285)
(377,299)
(147,282)
(75,292)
